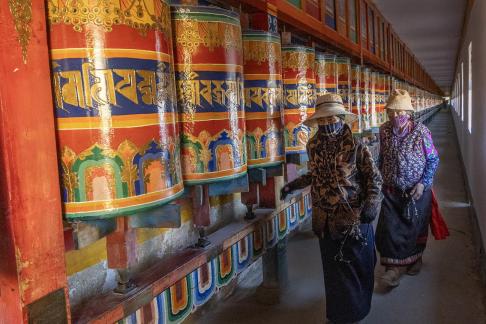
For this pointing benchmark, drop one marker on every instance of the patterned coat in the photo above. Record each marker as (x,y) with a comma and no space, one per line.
(406,161)
(345,184)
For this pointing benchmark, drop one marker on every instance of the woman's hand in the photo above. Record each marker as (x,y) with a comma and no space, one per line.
(417,191)
(284,192)
(370,211)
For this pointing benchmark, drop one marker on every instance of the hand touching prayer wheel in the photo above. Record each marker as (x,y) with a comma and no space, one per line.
(263,98)
(209,76)
(300,95)
(115,106)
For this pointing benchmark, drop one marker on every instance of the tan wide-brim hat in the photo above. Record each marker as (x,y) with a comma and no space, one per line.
(399,100)
(328,105)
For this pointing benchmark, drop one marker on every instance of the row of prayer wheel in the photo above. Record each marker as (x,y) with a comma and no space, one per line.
(149,98)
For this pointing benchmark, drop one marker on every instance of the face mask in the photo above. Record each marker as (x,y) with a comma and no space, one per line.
(400,121)
(331,128)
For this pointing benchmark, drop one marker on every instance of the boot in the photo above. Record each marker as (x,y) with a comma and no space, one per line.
(414,269)
(391,277)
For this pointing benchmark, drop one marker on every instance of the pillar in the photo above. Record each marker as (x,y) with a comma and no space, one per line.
(33,284)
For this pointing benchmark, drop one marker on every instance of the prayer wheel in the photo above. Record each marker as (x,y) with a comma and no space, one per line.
(413,96)
(263,98)
(356,97)
(388,89)
(300,95)
(115,106)
(344,80)
(209,77)
(374,99)
(326,73)
(365,81)
(380,98)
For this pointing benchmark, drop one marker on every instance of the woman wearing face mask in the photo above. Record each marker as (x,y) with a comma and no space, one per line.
(408,162)
(346,195)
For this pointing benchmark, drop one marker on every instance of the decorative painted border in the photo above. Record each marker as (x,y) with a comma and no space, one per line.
(175,304)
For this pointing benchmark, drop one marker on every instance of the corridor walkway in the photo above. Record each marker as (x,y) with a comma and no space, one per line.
(447,291)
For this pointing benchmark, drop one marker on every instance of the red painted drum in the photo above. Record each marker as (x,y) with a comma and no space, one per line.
(300,95)
(209,75)
(326,73)
(365,98)
(263,98)
(115,106)
(344,80)
(356,97)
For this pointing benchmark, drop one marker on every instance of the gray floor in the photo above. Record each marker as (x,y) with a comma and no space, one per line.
(448,289)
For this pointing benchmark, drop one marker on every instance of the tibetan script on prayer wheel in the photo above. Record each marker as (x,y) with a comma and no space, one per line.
(209,76)
(299,95)
(263,98)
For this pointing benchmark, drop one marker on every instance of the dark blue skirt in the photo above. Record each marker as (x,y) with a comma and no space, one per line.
(399,240)
(349,279)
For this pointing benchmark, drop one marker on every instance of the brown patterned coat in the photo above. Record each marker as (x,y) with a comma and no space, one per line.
(345,184)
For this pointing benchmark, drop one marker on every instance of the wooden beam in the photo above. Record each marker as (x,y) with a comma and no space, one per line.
(32,268)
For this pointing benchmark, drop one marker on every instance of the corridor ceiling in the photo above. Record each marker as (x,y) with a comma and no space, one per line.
(432,31)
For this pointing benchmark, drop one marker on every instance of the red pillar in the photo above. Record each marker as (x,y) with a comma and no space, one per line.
(32,267)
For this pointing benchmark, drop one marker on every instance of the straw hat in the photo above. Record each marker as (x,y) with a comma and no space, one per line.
(328,105)
(399,100)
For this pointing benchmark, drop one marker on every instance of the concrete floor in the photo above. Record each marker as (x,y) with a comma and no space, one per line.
(448,290)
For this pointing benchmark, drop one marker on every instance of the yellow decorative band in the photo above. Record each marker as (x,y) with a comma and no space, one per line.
(266,160)
(107,205)
(123,121)
(297,111)
(214,175)
(299,148)
(66,53)
(181,67)
(208,116)
(261,115)
(266,77)
(326,85)
(299,82)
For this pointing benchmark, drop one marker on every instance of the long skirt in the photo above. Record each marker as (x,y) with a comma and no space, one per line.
(400,240)
(348,276)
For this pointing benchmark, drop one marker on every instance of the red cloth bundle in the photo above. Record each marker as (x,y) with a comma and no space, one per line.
(437,224)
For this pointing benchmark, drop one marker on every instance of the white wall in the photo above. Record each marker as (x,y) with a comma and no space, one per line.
(473,145)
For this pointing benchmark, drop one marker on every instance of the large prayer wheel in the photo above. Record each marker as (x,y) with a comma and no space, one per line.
(263,98)
(356,97)
(299,95)
(115,106)
(326,73)
(344,80)
(209,75)
(365,81)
